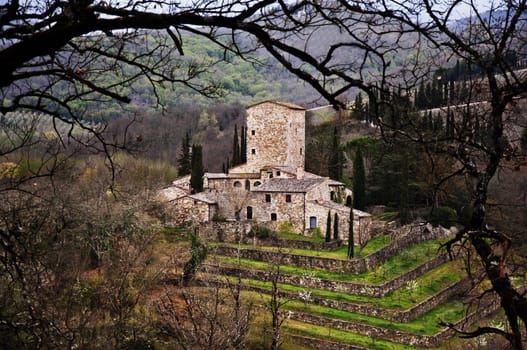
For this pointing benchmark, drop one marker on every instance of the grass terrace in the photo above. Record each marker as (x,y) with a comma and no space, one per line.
(393,267)
(400,299)
(340,253)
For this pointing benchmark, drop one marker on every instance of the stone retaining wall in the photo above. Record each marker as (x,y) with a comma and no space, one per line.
(361,265)
(408,315)
(336,286)
(399,336)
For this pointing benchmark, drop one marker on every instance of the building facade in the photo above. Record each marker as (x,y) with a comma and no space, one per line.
(272,187)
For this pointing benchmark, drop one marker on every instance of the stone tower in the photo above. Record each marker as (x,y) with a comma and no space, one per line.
(275,135)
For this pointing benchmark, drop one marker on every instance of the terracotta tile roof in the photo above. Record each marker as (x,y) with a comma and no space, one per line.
(288,185)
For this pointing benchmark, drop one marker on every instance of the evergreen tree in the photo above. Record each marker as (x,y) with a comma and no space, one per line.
(359,181)
(336,226)
(184,157)
(196,175)
(336,161)
(328,227)
(235,148)
(243,146)
(358,108)
(420,97)
(404,215)
(351,239)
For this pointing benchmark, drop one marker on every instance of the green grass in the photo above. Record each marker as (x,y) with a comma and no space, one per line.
(395,266)
(402,298)
(426,324)
(340,253)
(308,330)
(299,237)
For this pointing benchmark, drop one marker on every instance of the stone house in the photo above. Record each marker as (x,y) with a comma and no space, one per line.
(272,186)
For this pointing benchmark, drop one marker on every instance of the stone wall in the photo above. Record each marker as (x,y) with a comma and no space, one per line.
(408,315)
(307,281)
(395,335)
(275,135)
(283,210)
(360,265)
(224,231)
(188,210)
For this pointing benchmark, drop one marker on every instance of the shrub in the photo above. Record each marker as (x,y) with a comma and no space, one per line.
(260,232)
(285,228)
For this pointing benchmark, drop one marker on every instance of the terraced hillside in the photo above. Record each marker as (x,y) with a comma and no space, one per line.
(397,293)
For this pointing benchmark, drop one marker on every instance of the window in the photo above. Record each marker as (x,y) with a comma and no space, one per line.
(278,173)
(332,195)
(257,183)
(237,184)
(249,213)
(253,150)
(348,201)
(288,198)
(312,222)
(267,198)
(300,150)
(273,217)
(253,132)
(247,185)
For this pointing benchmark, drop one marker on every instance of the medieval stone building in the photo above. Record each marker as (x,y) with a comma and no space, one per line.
(272,187)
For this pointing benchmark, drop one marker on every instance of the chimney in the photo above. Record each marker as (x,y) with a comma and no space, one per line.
(300,173)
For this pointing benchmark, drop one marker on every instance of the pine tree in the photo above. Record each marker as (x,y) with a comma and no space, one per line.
(243,146)
(328,227)
(351,239)
(196,175)
(235,148)
(184,157)
(359,181)
(336,226)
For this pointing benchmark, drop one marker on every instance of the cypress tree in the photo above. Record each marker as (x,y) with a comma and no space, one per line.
(351,239)
(243,146)
(196,175)
(328,227)
(235,148)
(336,161)
(184,157)
(336,226)
(359,181)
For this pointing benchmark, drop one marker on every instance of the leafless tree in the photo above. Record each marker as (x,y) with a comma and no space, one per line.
(209,317)
(54,53)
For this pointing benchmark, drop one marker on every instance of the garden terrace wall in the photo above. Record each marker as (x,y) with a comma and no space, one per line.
(237,232)
(360,265)
(408,315)
(485,309)
(315,343)
(335,286)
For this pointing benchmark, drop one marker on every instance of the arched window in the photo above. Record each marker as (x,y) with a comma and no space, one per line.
(257,183)
(237,184)
(247,185)
(348,201)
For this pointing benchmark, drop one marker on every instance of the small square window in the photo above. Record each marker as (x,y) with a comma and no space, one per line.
(253,132)
(268,198)
(273,217)
(253,151)
(288,198)
(278,173)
